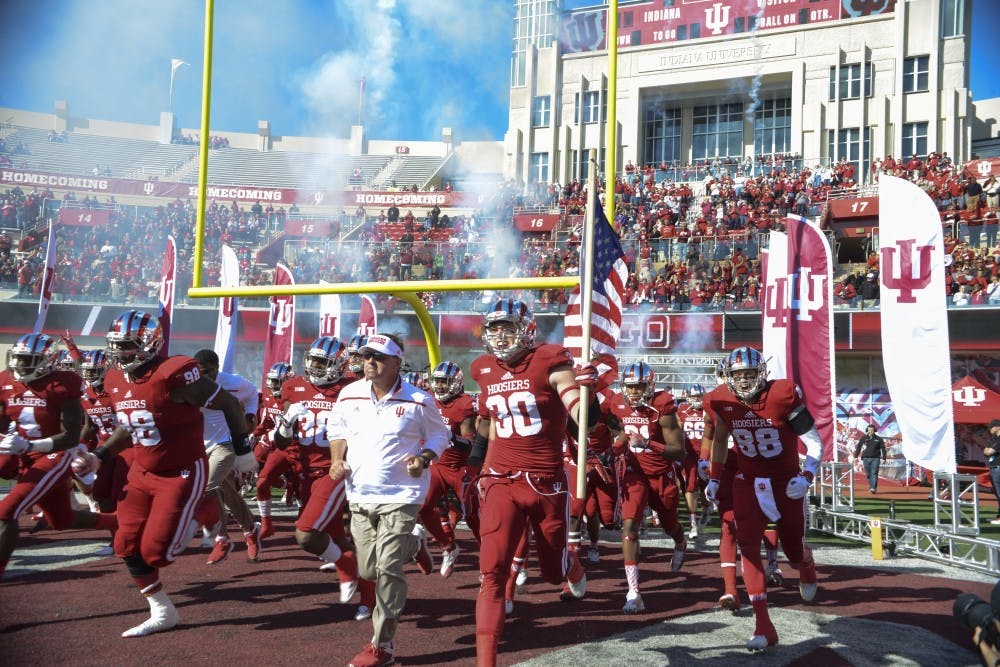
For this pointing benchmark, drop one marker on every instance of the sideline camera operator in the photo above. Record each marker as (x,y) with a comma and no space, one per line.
(981,617)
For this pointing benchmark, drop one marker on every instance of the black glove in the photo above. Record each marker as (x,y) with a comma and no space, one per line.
(460,443)
(241,444)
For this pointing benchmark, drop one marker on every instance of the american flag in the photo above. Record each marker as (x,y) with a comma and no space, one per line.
(610,274)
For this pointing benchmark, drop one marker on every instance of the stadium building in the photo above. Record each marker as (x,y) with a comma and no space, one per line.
(738,80)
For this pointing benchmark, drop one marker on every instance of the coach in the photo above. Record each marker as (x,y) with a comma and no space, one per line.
(871,446)
(383,435)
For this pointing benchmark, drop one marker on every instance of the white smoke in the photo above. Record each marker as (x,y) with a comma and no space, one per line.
(754,92)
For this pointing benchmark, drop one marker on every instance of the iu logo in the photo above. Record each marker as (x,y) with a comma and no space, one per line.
(282,315)
(717,18)
(984,167)
(318,198)
(327,325)
(585,31)
(903,278)
(969,396)
(166,291)
(400,411)
(800,291)
(148,188)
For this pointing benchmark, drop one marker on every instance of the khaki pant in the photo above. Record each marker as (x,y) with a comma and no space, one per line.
(384,538)
(222,484)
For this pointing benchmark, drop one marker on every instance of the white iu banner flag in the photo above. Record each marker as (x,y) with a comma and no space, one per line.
(774,335)
(225,330)
(915,348)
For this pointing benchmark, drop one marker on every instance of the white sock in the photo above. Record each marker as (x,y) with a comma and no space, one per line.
(264,506)
(632,577)
(332,553)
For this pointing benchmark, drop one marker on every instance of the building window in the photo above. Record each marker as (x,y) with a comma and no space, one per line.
(541,109)
(535,24)
(538,170)
(718,131)
(853,145)
(581,164)
(952,18)
(772,131)
(915,77)
(592,109)
(845,83)
(662,132)
(914,140)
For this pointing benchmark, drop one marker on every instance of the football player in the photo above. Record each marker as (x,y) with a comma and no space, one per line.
(320,528)
(274,462)
(450,470)
(355,364)
(223,469)
(692,418)
(527,394)
(157,400)
(649,442)
(41,417)
(766,419)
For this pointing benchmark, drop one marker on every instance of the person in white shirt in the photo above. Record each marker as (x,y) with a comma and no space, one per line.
(223,464)
(383,435)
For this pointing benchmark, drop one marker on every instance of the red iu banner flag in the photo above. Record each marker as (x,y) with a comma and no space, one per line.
(797,320)
(610,275)
(166,299)
(45,293)
(281,324)
(915,342)
(367,317)
(225,330)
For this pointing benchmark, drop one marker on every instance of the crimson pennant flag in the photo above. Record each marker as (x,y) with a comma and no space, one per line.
(166,298)
(367,317)
(45,293)
(610,275)
(281,324)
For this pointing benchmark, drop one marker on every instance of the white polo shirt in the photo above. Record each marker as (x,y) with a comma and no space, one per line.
(381,435)
(216,428)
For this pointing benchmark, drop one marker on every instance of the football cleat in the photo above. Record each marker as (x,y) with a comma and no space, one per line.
(808,591)
(593,555)
(448,559)
(774,576)
(730,602)
(677,560)
(328,567)
(423,555)
(758,643)
(162,616)
(221,550)
(253,543)
(508,607)
(347,590)
(363,613)
(576,581)
(633,604)
(694,532)
(522,578)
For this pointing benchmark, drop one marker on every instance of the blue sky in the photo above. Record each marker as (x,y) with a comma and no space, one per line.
(427,64)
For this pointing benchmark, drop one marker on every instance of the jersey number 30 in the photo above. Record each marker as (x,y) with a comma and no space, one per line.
(517,413)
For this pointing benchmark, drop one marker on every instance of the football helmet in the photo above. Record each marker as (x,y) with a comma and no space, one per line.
(638,384)
(695,393)
(508,329)
(354,361)
(93,365)
(134,338)
(325,360)
(33,356)
(276,376)
(414,378)
(746,372)
(66,362)
(447,381)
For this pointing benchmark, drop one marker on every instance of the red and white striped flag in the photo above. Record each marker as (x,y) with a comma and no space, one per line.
(281,324)
(166,299)
(610,275)
(45,293)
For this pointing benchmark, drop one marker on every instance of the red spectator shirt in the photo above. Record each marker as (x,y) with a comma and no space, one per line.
(166,435)
(528,415)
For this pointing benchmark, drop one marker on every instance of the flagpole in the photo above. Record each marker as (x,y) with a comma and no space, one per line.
(586,296)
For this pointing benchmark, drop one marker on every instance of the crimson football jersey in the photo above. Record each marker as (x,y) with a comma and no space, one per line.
(454,412)
(36,407)
(706,410)
(167,436)
(528,414)
(765,443)
(692,420)
(267,415)
(645,422)
(310,430)
(101,413)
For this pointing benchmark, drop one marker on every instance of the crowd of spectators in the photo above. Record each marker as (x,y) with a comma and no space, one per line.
(214,141)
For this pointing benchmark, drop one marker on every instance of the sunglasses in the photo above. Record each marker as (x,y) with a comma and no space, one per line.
(374,356)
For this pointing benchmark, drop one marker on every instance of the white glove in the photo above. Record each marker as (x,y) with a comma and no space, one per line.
(703,468)
(286,425)
(246,463)
(84,464)
(797,487)
(13,443)
(637,443)
(712,491)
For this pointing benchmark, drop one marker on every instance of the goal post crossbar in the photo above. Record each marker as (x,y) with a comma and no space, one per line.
(405,290)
